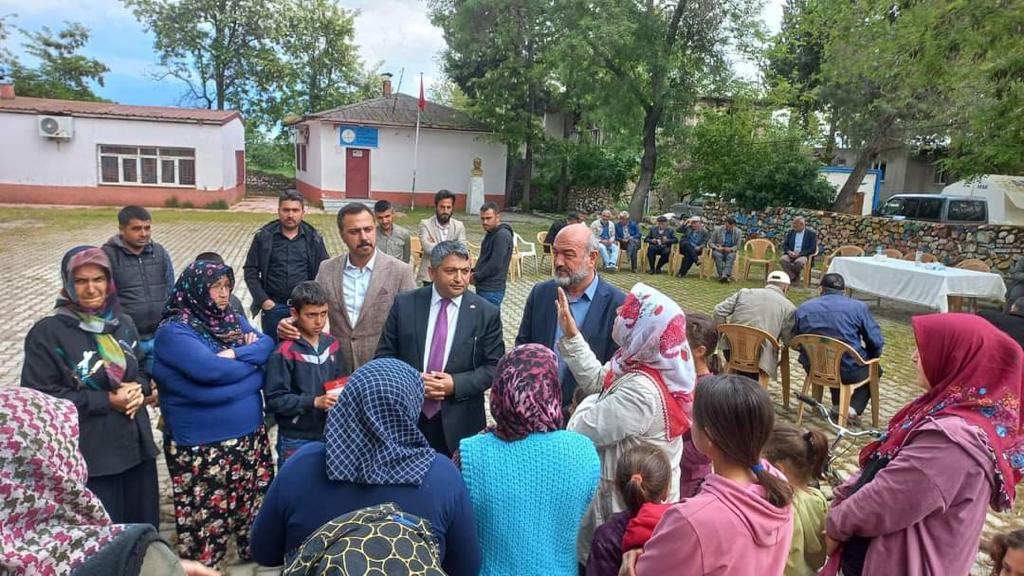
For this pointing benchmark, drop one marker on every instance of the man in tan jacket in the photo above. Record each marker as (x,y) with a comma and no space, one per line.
(361,286)
(438,228)
(765,308)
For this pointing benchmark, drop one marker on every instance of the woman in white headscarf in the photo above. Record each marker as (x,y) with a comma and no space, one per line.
(643,394)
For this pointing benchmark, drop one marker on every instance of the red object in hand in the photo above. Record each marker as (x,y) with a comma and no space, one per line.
(334,386)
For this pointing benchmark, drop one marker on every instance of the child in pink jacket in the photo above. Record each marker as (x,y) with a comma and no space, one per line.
(741,520)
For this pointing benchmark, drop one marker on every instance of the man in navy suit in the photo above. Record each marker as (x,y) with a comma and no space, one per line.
(454,338)
(801,243)
(592,300)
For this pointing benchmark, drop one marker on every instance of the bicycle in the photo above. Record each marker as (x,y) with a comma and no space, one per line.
(832,474)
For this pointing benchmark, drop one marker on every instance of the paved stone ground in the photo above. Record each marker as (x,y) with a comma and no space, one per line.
(33,241)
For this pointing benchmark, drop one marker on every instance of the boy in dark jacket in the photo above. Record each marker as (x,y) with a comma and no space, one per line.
(297,370)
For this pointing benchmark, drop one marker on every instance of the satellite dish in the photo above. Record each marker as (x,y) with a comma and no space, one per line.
(49,126)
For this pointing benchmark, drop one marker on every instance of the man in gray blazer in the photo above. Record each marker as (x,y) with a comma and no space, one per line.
(438,228)
(726,241)
(361,286)
(765,308)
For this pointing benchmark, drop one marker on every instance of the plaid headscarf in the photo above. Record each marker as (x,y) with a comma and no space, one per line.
(371,433)
(974,372)
(191,304)
(526,396)
(52,523)
(102,323)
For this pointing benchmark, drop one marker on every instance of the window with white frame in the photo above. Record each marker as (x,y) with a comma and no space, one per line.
(147,166)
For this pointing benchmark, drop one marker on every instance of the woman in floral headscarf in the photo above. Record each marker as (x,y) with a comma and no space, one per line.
(87,352)
(644,393)
(919,503)
(525,468)
(209,364)
(40,465)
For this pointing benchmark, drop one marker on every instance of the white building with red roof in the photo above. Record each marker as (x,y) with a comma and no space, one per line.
(365,151)
(99,153)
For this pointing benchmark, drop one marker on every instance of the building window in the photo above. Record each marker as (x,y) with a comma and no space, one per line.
(940,174)
(148,166)
(300,157)
(880,166)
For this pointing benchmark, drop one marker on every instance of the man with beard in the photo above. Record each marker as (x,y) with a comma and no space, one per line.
(592,301)
(283,254)
(361,285)
(439,228)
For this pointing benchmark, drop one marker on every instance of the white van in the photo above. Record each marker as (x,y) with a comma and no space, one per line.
(935,208)
(1004,195)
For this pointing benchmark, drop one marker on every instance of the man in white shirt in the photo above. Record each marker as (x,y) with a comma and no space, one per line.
(438,228)
(454,337)
(361,284)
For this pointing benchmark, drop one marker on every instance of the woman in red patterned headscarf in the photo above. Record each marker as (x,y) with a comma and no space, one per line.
(644,393)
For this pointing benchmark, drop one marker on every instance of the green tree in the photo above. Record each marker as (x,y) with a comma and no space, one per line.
(6,58)
(744,155)
(448,93)
(320,64)
(497,55)
(62,72)
(651,60)
(221,50)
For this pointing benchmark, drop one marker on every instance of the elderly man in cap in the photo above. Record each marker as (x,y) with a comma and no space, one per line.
(838,316)
(765,308)
(693,237)
(659,245)
(801,243)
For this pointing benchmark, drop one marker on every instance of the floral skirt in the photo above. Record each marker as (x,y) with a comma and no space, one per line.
(218,489)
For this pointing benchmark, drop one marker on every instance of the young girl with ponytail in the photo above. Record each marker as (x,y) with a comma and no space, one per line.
(741,520)
(642,478)
(703,339)
(801,456)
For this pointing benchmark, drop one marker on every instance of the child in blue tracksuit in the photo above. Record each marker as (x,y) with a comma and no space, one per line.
(296,373)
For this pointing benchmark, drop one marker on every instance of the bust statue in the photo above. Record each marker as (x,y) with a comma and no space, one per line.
(477,170)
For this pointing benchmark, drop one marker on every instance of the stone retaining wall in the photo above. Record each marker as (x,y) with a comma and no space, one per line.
(999,246)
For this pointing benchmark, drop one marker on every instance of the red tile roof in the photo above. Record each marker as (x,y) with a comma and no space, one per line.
(399,110)
(23,105)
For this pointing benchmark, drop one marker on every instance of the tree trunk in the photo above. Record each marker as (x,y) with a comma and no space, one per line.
(527,174)
(844,201)
(647,163)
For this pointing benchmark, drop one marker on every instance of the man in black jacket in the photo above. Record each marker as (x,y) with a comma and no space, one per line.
(1012,322)
(491,270)
(283,254)
(454,338)
(143,273)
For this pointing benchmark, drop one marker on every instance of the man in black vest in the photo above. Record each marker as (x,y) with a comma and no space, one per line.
(143,273)
(284,253)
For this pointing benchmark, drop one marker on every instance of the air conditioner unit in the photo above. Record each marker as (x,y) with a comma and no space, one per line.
(56,127)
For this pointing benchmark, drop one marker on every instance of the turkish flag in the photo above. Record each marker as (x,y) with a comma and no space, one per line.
(423,100)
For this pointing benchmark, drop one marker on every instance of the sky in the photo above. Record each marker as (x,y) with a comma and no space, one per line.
(395,33)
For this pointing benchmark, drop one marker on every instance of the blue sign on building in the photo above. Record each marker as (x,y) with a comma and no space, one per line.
(358,136)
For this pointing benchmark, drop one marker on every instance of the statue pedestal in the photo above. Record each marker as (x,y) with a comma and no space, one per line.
(476,195)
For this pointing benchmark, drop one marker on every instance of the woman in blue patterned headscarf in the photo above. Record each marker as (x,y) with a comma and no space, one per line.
(209,365)
(372,453)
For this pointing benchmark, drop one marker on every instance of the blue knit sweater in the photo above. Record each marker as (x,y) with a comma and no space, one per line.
(529,497)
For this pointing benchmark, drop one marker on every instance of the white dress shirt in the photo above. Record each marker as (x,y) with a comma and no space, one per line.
(444,229)
(453,320)
(355,282)
(798,241)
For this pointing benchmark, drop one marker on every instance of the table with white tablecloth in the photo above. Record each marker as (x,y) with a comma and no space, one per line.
(928,285)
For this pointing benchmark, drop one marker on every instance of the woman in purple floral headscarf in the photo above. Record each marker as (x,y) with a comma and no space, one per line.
(526,468)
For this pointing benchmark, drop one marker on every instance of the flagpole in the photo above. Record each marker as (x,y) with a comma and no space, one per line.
(416,148)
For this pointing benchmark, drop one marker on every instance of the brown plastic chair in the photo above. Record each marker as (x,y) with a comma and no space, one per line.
(416,249)
(848,250)
(826,356)
(974,264)
(808,269)
(542,239)
(758,248)
(926,257)
(707,263)
(745,344)
(893,253)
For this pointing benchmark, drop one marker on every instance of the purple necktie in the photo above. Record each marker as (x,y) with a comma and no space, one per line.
(435,362)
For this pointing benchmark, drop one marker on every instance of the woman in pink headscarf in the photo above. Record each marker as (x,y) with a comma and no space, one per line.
(919,503)
(643,394)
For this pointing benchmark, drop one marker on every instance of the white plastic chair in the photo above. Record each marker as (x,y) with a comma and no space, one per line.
(532,252)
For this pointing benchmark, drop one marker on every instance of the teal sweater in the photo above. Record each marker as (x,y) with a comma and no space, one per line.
(529,497)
